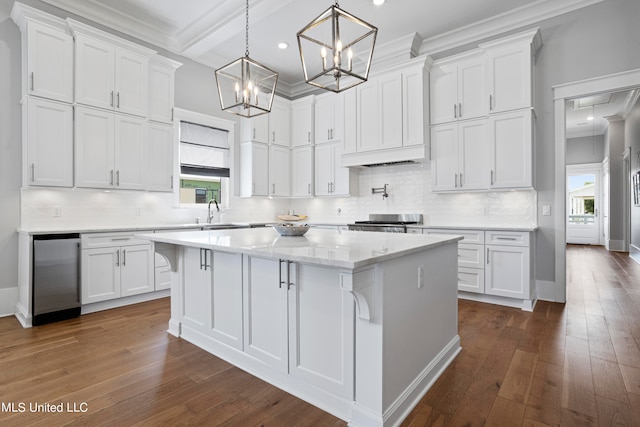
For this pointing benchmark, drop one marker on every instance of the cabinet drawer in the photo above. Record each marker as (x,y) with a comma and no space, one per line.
(470,255)
(102,240)
(470,236)
(507,238)
(471,279)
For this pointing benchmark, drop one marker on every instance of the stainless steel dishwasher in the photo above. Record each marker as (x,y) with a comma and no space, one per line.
(56,277)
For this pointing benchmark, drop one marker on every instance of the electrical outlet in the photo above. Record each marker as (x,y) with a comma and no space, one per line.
(546,210)
(57,211)
(420,276)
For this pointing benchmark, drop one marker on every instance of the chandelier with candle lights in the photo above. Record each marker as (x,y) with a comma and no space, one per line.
(246,87)
(336,50)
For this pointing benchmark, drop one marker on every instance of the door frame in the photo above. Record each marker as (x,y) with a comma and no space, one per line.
(588,169)
(561,93)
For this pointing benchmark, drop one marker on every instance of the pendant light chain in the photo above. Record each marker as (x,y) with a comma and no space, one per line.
(246,34)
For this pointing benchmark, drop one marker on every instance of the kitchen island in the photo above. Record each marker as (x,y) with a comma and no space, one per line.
(358,324)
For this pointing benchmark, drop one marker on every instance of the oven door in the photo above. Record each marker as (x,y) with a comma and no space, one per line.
(387,228)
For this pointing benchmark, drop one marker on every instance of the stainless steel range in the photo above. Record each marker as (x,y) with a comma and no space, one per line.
(388,223)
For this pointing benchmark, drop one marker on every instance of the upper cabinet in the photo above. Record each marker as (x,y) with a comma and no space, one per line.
(110,73)
(161,88)
(302,119)
(509,74)
(457,88)
(329,117)
(270,128)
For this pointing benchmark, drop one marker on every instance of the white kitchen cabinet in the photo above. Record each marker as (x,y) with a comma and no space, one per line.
(321,342)
(457,88)
(302,118)
(115,265)
(254,169)
(109,75)
(331,178)
(161,88)
(159,156)
(329,117)
(507,271)
(226,299)
(266,310)
(47,143)
(510,64)
(109,149)
(379,113)
(279,171)
(196,288)
(302,167)
(270,128)
(458,159)
(511,149)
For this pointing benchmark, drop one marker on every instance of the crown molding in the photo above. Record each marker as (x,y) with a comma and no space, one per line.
(499,24)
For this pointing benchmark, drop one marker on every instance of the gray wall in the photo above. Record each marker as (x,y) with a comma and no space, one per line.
(588,149)
(616,177)
(632,136)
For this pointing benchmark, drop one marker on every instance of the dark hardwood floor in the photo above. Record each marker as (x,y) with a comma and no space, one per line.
(572,365)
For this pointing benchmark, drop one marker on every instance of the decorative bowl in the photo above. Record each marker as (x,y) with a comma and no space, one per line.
(287,229)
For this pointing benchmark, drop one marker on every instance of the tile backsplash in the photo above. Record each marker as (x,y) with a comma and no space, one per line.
(408,186)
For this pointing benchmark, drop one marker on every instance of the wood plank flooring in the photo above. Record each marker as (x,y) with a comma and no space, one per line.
(571,365)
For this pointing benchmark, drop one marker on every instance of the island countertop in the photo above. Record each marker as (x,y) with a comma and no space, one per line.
(345,249)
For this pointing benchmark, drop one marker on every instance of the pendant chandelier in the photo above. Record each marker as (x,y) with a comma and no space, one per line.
(246,87)
(336,50)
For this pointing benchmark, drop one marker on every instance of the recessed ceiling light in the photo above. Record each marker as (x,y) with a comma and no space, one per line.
(590,118)
(283,45)
(378,2)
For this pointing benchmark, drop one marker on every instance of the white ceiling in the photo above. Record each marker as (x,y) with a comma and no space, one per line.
(213,31)
(590,115)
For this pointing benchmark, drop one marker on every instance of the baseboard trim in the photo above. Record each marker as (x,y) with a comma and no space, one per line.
(547,290)
(8,301)
(617,246)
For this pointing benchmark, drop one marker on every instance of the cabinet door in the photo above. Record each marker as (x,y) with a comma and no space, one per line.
(510,136)
(472,101)
(279,124)
(136,270)
(328,117)
(323,169)
(471,279)
(49,142)
(443,93)
(413,107)
(390,110)
(302,171)
(444,157)
(321,342)
(265,302)
(196,288)
(258,128)
(226,299)
(94,72)
(94,150)
(302,124)
(159,154)
(129,152)
(341,184)
(254,169)
(507,271)
(131,80)
(49,62)
(509,78)
(279,171)
(161,93)
(472,155)
(368,130)
(100,272)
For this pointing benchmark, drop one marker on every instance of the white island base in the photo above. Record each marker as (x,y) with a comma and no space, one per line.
(358,324)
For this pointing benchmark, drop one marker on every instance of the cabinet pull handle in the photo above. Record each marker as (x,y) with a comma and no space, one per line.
(118,97)
(33,172)
(124,257)
(455,185)
(490,102)
(281,282)
(328,187)
(460,109)
(308,188)
(111,179)
(171,181)
(308,136)
(491,176)
(172,109)
(455,111)
(506,238)
(205,253)
(254,133)
(273,136)
(117,257)
(118,178)
(112,98)
(201,264)
(289,275)
(273,188)
(32,81)
(460,179)
(120,239)
(487,255)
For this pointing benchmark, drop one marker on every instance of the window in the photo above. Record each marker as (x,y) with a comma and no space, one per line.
(204,164)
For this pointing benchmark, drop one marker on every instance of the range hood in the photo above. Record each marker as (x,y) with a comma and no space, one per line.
(391,156)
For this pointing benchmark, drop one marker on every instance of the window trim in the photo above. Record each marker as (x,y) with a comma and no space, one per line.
(181,115)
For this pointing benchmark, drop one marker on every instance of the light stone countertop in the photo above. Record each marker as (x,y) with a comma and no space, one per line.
(476,227)
(342,249)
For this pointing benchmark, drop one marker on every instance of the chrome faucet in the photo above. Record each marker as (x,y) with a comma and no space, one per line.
(382,190)
(209,215)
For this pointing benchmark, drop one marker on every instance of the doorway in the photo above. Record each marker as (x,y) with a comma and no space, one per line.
(583,204)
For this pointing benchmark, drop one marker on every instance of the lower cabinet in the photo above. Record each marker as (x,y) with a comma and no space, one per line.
(494,263)
(115,266)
